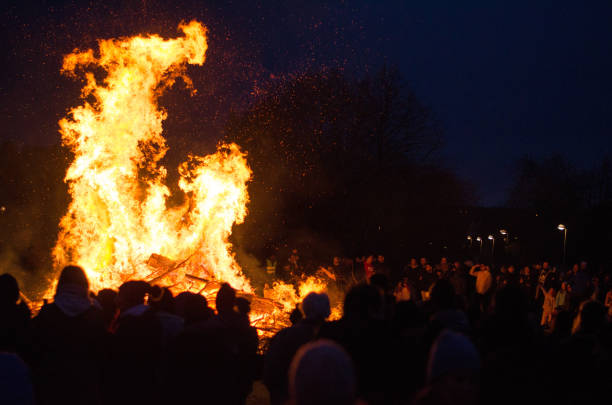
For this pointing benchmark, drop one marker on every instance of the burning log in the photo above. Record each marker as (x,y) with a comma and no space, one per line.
(163,266)
(262,305)
(258,304)
(25,299)
(160,262)
(268,315)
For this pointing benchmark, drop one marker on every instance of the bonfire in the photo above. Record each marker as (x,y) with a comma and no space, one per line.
(119,225)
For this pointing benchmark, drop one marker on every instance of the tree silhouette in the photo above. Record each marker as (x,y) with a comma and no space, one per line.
(560,193)
(341,156)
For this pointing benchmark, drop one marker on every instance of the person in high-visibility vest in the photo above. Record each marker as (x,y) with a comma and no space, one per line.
(271,264)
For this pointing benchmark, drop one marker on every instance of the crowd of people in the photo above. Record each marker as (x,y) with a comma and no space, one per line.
(450,332)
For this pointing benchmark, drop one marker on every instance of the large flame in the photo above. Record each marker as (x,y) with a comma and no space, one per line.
(119,216)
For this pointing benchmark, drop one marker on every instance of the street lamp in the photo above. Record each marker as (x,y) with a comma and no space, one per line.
(469,237)
(492,239)
(563,228)
(479,239)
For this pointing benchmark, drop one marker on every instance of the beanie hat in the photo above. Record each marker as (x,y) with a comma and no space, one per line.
(15,381)
(316,306)
(322,373)
(452,352)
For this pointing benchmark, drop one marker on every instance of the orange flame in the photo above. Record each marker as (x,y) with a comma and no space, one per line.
(119,215)
(287,295)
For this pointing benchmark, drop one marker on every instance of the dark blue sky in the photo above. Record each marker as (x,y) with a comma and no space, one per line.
(512,78)
(505,78)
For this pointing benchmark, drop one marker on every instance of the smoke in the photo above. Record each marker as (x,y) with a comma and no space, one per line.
(24,253)
(252,268)
(33,198)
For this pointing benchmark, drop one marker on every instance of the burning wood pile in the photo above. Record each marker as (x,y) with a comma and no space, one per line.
(267,315)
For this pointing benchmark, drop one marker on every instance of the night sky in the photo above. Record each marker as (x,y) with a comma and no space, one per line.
(504,78)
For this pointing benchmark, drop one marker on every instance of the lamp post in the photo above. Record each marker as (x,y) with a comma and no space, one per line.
(469,237)
(479,239)
(563,228)
(492,239)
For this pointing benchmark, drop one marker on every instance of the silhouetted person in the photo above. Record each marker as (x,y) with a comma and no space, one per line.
(243,306)
(459,280)
(295,316)
(192,308)
(407,317)
(582,363)
(453,372)
(580,283)
(410,354)
(562,326)
(286,343)
(380,267)
(14,316)
(368,266)
(162,304)
(322,373)
(108,301)
(135,350)
(510,352)
(591,319)
(254,361)
(342,272)
(15,381)
(213,361)
(445,314)
(381,280)
(68,338)
(366,336)
(225,303)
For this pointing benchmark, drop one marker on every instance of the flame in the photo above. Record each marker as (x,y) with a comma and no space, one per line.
(287,295)
(284,294)
(321,285)
(119,214)
(311,284)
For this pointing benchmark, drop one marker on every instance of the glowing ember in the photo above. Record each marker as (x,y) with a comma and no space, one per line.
(119,220)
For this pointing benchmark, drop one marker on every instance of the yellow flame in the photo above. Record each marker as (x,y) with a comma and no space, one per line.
(284,294)
(311,284)
(287,295)
(119,214)
(319,285)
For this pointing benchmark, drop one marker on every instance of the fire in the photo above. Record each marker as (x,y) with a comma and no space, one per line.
(311,284)
(119,216)
(287,295)
(119,225)
(283,293)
